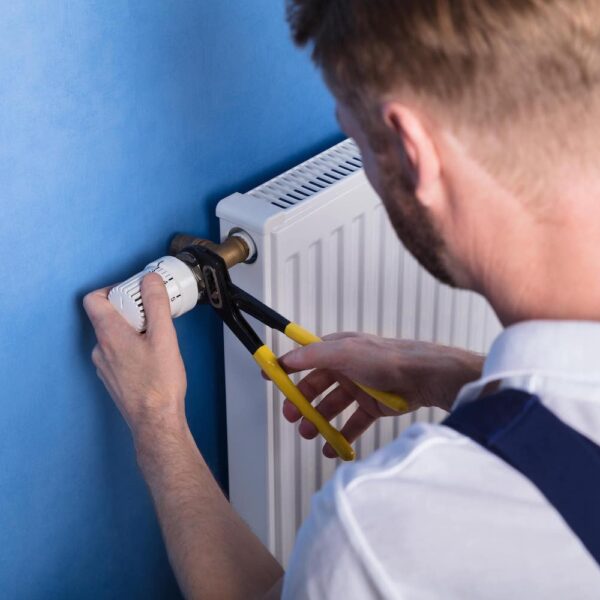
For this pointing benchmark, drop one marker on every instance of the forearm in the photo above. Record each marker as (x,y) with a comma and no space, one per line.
(213,552)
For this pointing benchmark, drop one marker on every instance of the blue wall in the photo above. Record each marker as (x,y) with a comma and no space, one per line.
(121,122)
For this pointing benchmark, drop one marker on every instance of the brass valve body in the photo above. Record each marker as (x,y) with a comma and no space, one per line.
(234,250)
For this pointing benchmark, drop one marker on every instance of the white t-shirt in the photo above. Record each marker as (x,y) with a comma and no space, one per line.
(435,515)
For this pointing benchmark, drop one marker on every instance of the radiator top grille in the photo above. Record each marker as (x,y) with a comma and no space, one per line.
(311,177)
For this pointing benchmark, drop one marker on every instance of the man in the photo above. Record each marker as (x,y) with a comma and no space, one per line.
(478,125)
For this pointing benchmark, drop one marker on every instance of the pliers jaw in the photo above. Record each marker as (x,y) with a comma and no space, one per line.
(216,288)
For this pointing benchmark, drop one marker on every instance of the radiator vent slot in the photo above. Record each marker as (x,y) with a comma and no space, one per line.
(311,177)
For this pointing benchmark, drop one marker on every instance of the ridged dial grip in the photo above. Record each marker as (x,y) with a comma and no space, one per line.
(179,280)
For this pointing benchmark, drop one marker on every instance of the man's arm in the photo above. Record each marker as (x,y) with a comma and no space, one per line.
(212,551)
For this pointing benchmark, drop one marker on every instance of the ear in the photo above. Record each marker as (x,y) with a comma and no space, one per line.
(420,149)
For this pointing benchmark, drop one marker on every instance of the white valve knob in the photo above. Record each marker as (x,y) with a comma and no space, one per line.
(180,283)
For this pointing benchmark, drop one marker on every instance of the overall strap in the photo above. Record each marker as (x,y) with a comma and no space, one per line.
(562,463)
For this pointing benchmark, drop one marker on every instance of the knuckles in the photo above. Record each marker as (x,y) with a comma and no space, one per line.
(89,302)
(111,340)
(104,337)
(347,349)
(97,356)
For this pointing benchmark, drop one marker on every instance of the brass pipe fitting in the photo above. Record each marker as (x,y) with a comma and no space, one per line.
(234,250)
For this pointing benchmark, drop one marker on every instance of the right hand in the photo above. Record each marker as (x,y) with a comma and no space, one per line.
(143,372)
(424,374)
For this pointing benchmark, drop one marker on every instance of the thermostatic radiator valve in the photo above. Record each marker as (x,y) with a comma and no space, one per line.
(184,283)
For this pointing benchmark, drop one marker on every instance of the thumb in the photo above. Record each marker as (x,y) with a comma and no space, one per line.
(156,304)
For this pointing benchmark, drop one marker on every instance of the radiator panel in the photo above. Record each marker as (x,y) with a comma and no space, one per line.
(330,262)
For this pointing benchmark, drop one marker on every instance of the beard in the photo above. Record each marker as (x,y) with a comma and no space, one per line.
(415,230)
(396,186)
(410,219)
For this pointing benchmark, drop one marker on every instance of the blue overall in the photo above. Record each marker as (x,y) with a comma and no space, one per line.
(563,464)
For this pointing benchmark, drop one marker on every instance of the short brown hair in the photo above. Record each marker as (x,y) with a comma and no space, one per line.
(486,62)
(517,79)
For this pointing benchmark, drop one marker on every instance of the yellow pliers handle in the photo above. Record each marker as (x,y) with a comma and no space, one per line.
(267,361)
(229,301)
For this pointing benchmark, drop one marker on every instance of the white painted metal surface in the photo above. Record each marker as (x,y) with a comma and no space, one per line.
(329,260)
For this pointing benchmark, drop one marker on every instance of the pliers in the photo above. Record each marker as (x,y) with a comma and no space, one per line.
(228,301)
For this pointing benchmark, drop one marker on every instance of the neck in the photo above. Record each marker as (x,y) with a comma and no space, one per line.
(551,271)
(536,258)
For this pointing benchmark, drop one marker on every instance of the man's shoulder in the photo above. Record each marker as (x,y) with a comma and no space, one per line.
(433,511)
(425,454)
(429,480)
(392,504)
(431,485)
(435,497)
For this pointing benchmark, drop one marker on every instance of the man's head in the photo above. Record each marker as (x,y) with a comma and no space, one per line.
(467,112)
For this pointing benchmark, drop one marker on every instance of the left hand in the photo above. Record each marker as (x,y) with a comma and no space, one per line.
(144,373)
(423,373)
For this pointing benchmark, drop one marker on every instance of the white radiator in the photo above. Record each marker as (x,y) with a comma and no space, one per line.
(329,260)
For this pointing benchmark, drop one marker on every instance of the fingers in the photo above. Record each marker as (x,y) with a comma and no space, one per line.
(328,355)
(156,305)
(97,357)
(105,319)
(97,306)
(331,406)
(289,361)
(314,384)
(355,426)
(331,361)
(340,335)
